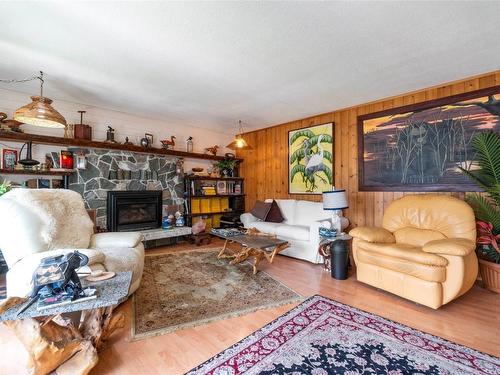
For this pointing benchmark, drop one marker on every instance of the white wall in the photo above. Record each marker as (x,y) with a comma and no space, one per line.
(124,124)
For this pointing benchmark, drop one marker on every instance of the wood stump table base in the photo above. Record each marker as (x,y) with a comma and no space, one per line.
(64,344)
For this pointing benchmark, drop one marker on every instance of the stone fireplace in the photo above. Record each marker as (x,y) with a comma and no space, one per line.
(134,210)
(114,170)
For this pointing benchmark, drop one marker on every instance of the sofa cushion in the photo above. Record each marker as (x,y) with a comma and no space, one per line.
(416,236)
(293,232)
(306,212)
(260,210)
(115,239)
(274,215)
(287,207)
(405,252)
(265,227)
(418,270)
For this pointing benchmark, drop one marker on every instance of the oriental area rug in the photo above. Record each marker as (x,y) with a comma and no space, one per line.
(186,289)
(321,337)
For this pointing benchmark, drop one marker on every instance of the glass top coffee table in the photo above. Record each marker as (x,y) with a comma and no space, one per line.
(252,243)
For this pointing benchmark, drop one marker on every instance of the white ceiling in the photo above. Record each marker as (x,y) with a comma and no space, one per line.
(209,64)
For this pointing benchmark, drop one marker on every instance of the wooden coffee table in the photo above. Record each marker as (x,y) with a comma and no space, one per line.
(252,244)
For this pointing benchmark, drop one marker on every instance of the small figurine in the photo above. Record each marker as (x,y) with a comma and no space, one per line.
(9,125)
(127,142)
(147,141)
(179,219)
(212,150)
(189,144)
(110,135)
(167,144)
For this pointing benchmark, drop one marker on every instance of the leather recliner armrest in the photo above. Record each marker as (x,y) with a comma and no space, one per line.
(450,246)
(115,239)
(373,234)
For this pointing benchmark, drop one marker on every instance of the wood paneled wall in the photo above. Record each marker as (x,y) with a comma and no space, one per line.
(266,166)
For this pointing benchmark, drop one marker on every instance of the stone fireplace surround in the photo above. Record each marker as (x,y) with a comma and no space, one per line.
(128,171)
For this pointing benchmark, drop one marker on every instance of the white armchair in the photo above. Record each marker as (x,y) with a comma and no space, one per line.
(37,223)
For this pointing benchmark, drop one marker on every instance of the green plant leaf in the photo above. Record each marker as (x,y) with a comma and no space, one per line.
(327,138)
(485,210)
(298,155)
(328,172)
(299,168)
(328,156)
(301,133)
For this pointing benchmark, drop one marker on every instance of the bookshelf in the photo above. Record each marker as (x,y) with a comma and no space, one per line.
(209,198)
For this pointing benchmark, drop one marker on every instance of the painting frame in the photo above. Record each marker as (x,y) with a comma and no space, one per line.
(331,163)
(418,107)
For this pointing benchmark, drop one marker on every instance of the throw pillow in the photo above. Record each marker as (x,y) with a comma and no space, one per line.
(274,215)
(260,210)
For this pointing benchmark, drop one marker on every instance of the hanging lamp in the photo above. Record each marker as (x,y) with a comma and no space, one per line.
(39,112)
(238,142)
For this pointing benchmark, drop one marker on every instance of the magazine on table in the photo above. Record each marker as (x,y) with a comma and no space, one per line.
(61,299)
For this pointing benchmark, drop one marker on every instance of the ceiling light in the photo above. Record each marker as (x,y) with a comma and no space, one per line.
(39,112)
(238,142)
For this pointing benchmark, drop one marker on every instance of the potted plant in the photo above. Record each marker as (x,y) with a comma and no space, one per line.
(4,187)
(226,166)
(487,206)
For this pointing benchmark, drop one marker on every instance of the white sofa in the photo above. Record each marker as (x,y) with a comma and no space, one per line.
(300,227)
(37,223)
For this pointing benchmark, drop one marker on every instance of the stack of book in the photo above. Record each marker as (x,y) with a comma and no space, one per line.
(208,190)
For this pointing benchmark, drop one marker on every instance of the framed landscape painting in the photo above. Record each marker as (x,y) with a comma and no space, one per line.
(310,159)
(420,147)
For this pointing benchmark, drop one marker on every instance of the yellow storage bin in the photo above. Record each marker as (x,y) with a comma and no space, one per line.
(216,221)
(204,205)
(215,205)
(195,205)
(224,204)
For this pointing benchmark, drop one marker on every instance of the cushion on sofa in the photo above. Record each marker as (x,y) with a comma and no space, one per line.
(287,207)
(418,270)
(274,215)
(293,232)
(260,210)
(405,252)
(306,212)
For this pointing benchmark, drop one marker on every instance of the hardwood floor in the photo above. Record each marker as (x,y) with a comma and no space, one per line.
(472,320)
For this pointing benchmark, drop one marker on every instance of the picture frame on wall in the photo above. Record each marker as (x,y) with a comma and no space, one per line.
(310,159)
(9,158)
(420,147)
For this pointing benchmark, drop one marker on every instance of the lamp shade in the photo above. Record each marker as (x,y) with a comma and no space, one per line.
(40,113)
(335,200)
(239,144)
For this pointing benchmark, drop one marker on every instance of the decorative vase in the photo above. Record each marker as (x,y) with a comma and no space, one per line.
(490,273)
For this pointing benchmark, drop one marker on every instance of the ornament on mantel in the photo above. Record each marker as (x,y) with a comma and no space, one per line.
(127,142)
(212,150)
(110,135)
(189,144)
(168,144)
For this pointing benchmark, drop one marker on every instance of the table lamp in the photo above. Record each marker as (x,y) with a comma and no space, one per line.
(335,201)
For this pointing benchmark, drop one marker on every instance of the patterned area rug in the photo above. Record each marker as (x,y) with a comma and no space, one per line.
(185,289)
(321,336)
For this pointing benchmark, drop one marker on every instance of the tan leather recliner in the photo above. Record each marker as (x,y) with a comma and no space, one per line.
(424,252)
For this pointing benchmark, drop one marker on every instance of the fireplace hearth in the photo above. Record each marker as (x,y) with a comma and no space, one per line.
(134,210)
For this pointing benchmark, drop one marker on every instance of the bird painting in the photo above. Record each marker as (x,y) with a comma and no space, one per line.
(311,159)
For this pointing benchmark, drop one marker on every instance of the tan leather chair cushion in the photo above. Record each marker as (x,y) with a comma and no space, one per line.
(373,234)
(450,246)
(445,214)
(421,271)
(416,236)
(404,252)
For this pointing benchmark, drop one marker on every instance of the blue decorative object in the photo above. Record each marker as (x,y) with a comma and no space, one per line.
(165,223)
(179,222)
(327,233)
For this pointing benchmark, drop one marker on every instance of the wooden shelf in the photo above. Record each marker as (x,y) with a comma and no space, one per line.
(71,142)
(217,196)
(35,172)
(214,213)
(214,178)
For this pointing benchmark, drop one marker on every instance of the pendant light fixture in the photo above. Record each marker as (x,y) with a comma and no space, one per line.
(39,112)
(238,142)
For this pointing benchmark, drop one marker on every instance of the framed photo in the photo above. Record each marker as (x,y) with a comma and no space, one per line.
(221,187)
(150,139)
(420,147)
(310,159)
(56,184)
(9,158)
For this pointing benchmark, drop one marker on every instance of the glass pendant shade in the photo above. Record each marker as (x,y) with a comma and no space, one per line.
(239,144)
(40,113)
